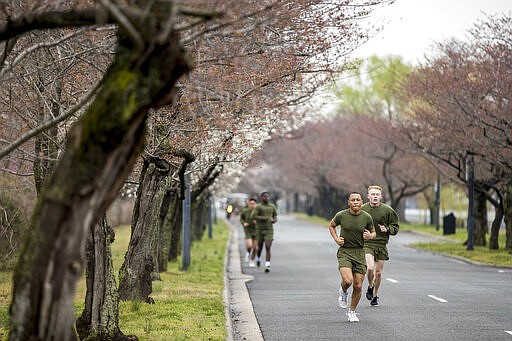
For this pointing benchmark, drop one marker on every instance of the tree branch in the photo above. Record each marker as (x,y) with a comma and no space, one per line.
(75,18)
(49,123)
(124,23)
(188,158)
(9,46)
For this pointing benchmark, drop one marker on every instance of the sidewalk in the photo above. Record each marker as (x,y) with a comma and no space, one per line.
(241,322)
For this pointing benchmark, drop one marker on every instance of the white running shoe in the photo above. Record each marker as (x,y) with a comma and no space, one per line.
(267,266)
(247,255)
(352,317)
(252,264)
(343,299)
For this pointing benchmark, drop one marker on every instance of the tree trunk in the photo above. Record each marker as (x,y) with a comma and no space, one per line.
(100,317)
(174,221)
(430,200)
(330,200)
(399,207)
(140,261)
(102,148)
(164,240)
(45,147)
(495,227)
(480,215)
(296,203)
(198,219)
(507,210)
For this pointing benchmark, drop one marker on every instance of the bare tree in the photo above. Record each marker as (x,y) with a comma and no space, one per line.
(102,147)
(461,104)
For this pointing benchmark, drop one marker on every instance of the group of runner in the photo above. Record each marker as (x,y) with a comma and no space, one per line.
(362,240)
(258,223)
(364,234)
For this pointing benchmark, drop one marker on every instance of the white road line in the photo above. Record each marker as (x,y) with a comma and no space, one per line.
(392,280)
(508,332)
(442,300)
(501,271)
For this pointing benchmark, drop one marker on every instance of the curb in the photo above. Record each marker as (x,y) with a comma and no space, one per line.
(241,323)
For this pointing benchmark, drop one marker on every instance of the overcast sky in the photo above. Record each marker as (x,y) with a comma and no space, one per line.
(410,27)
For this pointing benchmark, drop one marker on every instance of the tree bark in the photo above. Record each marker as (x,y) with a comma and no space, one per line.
(329,200)
(174,221)
(507,210)
(198,218)
(102,148)
(495,228)
(480,214)
(45,147)
(141,259)
(164,241)
(100,317)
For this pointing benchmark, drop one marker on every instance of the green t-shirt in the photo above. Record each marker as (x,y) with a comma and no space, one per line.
(352,227)
(385,215)
(245,217)
(265,215)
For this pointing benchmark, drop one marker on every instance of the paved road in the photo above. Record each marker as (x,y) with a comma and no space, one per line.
(423,297)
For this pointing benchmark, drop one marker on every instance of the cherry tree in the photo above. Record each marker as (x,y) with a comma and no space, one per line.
(461,115)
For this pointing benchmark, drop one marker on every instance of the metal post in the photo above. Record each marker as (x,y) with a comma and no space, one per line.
(186,225)
(437,200)
(471,187)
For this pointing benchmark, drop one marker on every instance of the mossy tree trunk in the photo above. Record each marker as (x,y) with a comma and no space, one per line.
(100,317)
(101,150)
(141,260)
(157,196)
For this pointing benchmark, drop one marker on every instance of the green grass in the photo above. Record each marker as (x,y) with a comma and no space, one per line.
(480,254)
(188,304)
(452,246)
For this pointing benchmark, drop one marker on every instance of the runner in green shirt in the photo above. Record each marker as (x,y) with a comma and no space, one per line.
(386,224)
(356,226)
(265,215)
(251,244)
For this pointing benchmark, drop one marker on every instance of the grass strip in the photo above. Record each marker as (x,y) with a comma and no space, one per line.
(188,304)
